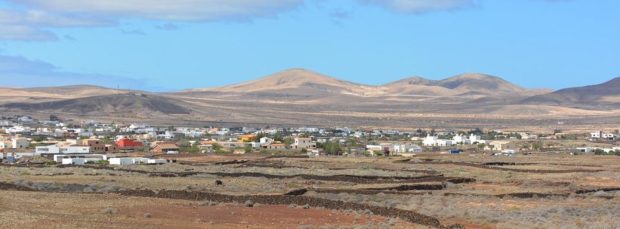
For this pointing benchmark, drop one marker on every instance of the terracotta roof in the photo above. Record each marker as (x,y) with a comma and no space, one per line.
(167,145)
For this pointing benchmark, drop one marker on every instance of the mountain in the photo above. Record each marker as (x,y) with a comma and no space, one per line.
(417,86)
(480,84)
(294,83)
(472,84)
(43,94)
(304,84)
(296,79)
(127,103)
(303,97)
(76,90)
(604,94)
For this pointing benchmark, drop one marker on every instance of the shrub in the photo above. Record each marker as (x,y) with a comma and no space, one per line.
(109,211)
(599,152)
(249,203)
(103,162)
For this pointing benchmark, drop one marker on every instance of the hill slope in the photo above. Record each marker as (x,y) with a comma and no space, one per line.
(480,84)
(129,103)
(417,86)
(290,79)
(604,94)
(465,84)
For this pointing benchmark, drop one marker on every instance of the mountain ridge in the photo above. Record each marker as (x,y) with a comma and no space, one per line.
(606,93)
(296,80)
(306,97)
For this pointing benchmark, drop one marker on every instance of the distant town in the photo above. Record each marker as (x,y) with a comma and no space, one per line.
(55,141)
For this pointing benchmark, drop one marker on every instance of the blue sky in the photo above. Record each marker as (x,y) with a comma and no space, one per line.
(164,45)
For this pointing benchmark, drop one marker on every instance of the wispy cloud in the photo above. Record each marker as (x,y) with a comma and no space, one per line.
(25,33)
(421,6)
(33,25)
(19,71)
(167,26)
(180,10)
(33,19)
(133,32)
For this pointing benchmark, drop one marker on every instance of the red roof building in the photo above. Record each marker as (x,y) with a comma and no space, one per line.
(126,143)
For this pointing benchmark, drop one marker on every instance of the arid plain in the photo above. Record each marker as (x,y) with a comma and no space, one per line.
(254,191)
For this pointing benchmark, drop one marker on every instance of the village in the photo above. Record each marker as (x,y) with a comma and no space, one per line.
(27,140)
(215,177)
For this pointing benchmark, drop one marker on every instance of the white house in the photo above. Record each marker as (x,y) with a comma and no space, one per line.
(157,161)
(19,143)
(475,139)
(500,145)
(460,139)
(585,149)
(526,136)
(430,141)
(266,141)
(80,160)
(75,149)
(4,144)
(135,160)
(75,161)
(125,161)
(89,157)
(374,148)
(406,148)
(434,141)
(51,149)
(303,143)
(255,145)
(598,135)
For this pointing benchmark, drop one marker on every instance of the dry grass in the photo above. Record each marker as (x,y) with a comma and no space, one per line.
(474,205)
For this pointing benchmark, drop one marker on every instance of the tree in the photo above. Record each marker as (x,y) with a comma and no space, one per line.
(39,138)
(278,137)
(248,148)
(332,148)
(216,147)
(476,131)
(537,145)
(106,140)
(288,141)
(599,152)
(260,135)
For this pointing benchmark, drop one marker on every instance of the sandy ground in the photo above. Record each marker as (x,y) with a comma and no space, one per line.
(473,204)
(63,210)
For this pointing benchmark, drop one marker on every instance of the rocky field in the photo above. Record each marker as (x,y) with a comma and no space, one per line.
(431,191)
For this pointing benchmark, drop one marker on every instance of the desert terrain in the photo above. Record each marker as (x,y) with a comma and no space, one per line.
(261,191)
(298,97)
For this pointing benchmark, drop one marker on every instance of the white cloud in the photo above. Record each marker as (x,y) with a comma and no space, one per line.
(178,10)
(46,19)
(26,33)
(421,6)
(32,19)
(33,25)
(17,71)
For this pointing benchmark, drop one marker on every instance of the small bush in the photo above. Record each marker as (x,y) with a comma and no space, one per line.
(109,211)
(249,203)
